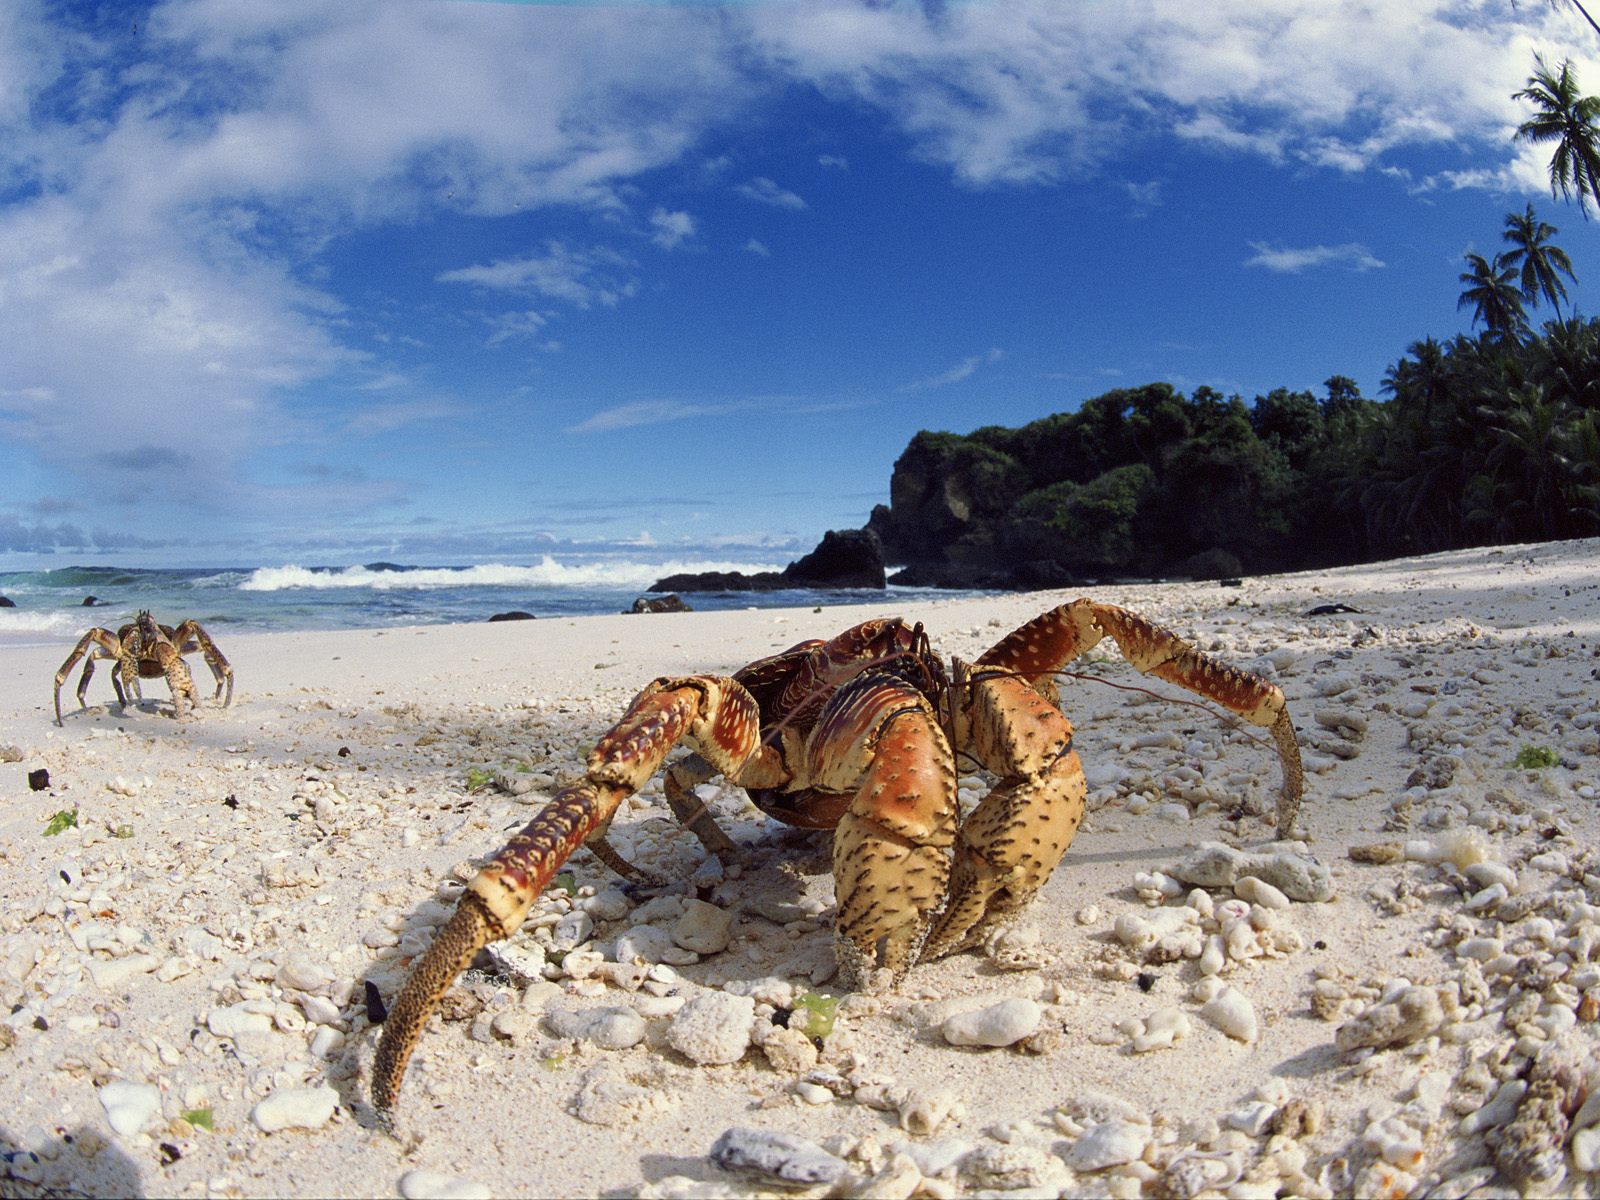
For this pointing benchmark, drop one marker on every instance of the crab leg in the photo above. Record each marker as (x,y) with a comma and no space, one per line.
(1050,641)
(96,639)
(1010,845)
(189,636)
(891,849)
(714,713)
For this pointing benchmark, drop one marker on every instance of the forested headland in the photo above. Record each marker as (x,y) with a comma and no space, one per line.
(1482,439)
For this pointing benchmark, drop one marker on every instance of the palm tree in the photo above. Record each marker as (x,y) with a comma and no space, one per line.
(1572,122)
(1493,292)
(1543,262)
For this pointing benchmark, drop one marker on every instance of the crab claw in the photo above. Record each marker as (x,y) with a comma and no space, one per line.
(493,907)
(714,713)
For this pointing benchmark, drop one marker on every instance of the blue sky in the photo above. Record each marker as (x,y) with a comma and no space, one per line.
(447,282)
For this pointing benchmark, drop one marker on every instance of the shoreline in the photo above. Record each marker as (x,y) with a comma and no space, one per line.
(217,955)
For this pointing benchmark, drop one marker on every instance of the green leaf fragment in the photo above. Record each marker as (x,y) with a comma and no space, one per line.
(1535,758)
(200,1118)
(814,1014)
(65,819)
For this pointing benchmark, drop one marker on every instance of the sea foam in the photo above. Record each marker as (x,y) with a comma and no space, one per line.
(546,573)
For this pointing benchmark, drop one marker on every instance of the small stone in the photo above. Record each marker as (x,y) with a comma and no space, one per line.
(1108,1144)
(1015,1167)
(435,1185)
(129,1105)
(651,944)
(1000,1024)
(770,1157)
(304,975)
(608,1028)
(713,1028)
(1258,891)
(1414,1013)
(703,928)
(237,1020)
(295,1108)
(571,930)
(1586,1149)
(1230,1011)
(1160,1029)
(923,1109)
(1253,1119)
(111,973)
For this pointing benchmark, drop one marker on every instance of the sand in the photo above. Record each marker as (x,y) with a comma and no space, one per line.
(207,930)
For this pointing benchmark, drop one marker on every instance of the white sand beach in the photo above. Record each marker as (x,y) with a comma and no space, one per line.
(186,969)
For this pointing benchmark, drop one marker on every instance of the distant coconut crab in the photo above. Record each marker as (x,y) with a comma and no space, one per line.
(864,734)
(144,649)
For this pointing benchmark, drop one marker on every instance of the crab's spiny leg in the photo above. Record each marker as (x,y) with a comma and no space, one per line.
(716,713)
(221,671)
(1053,639)
(682,778)
(103,639)
(891,850)
(1013,841)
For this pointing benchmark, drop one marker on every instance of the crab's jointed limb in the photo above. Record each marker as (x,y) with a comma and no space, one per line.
(191,636)
(714,713)
(1050,641)
(97,643)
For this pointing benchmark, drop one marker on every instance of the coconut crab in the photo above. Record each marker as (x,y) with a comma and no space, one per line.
(144,649)
(864,734)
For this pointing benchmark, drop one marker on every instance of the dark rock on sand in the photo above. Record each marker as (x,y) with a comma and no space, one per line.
(660,604)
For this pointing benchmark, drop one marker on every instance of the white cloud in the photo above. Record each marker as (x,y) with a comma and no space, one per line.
(580,277)
(1027,91)
(649,412)
(168,198)
(758,248)
(1291,260)
(836,162)
(671,228)
(964,369)
(764,191)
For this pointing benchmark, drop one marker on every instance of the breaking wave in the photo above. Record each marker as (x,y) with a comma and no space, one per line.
(547,573)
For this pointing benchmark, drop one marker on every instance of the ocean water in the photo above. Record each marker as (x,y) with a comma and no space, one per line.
(49,604)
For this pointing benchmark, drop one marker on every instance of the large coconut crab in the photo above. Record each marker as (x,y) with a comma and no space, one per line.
(864,734)
(144,649)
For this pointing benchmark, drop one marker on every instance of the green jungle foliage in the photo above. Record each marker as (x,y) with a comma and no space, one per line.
(1483,439)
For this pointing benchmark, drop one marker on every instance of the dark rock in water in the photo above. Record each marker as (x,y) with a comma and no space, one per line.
(850,558)
(384,566)
(774,1158)
(93,602)
(720,581)
(669,603)
(515,614)
(7,602)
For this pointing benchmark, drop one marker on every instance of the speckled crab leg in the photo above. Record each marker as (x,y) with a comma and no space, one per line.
(93,644)
(715,713)
(1050,641)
